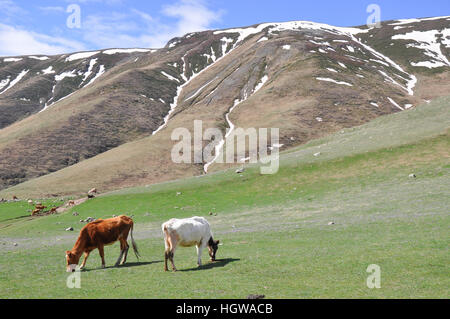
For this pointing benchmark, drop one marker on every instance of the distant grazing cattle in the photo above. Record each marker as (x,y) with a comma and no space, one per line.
(15,197)
(35,212)
(71,203)
(53,210)
(187,233)
(99,233)
(93,191)
(40,207)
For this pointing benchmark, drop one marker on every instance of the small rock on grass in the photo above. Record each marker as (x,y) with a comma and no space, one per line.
(69,229)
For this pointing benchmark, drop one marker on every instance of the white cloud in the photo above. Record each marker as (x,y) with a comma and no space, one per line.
(193,15)
(130,28)
(52,9)
(9,11)
(139,29)
(14,41)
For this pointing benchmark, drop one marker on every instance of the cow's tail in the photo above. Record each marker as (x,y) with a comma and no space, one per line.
(133,243)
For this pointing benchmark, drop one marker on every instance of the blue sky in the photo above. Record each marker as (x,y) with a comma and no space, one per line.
(40,27)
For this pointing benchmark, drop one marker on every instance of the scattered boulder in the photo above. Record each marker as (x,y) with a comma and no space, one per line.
(30,202)
(15,197)
(93,191)
(317,154)
(412,176)
(15,244)
(240,170)
(178,193)
(69,229)
(331,223)
(75,214)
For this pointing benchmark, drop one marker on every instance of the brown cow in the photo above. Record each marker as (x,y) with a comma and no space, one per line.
(99,233)
(35,212)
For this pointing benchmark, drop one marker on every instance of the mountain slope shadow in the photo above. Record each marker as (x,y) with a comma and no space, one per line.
(217,263)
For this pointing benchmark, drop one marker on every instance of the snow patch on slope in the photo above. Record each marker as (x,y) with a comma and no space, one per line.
(48,70)
(334,81)
(81,55)
(40,58)
(218,148)
(12,59)
(16,80)
(170,77)
(427,41)
(116,51)
(99,74)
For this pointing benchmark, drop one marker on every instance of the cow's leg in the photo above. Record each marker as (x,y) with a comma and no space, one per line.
(86,255)
(102,255)
(120,256)
(171,254)
(173,245)
(166,257)
(124,246)
(122,252)
(170,242)
(199,254)
(166,251)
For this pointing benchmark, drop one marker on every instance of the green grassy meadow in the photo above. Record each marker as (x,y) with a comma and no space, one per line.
(275,229)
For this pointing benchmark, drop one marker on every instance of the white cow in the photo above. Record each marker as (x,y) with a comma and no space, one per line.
(187,233)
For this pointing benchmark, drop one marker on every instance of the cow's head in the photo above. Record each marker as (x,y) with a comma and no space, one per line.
(71,261)
(213,245)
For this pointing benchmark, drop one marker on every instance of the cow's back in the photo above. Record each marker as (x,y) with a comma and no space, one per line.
(107,231)
(188,230)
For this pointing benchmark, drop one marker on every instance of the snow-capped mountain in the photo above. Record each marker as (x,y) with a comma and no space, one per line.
(119,106)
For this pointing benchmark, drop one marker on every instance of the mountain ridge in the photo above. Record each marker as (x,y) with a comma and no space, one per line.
(321,91)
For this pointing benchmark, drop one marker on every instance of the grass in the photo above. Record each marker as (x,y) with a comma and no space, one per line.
(274,228)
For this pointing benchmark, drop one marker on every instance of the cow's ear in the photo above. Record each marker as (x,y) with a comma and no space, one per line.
(68,253)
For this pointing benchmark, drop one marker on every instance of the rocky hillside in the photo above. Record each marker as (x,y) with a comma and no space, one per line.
(105,118)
